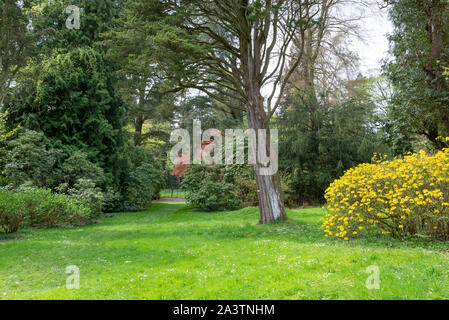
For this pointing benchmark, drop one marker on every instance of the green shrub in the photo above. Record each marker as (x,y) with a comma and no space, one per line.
(243,180)
(246,191)
(31,160)
(40,207)
(85,191)
(47,209)
(112,201)
(206,188)
(36,160)
(142,179)
(225,187)
(78,166)
(12,215)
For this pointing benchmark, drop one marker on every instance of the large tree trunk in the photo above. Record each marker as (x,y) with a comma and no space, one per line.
(437,80)
(138,127)
(269,192)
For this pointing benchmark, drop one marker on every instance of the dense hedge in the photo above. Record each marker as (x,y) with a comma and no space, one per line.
(40,207)
(402,197)
(207,187)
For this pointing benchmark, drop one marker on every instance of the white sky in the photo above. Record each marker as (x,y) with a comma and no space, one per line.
(374,48)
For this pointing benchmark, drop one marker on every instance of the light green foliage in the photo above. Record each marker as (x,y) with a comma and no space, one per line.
(175,193)
(12,213)
(86,191)
(5,133)
(41,208)
(172,253)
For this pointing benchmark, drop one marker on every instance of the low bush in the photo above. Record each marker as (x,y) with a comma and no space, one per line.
(78,166)
(243,181)
(40,207)
(30,160)
(246,191)
(113,201)
(85,191)
(12,215)
(402,197)
(34,159)
(206,188)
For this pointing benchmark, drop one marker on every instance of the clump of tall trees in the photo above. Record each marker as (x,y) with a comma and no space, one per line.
(232,51)
(419,111)
(108,93)
(329,122)
(64,88)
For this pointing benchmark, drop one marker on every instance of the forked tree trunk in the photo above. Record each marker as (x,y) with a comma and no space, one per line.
(269,192)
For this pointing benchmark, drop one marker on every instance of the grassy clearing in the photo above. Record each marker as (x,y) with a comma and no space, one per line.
(174,194)
(170,252)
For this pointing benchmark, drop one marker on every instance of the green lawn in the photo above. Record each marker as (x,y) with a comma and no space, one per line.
(174,194)
(170,252)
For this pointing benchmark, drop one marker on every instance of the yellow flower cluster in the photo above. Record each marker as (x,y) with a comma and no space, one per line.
(400,197)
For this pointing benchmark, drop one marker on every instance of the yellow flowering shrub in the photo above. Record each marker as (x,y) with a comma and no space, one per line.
(401,197)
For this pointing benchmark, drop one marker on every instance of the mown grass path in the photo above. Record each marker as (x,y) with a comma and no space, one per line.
(170,252)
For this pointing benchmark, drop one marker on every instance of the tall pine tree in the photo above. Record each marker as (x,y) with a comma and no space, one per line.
(67,90)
